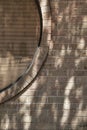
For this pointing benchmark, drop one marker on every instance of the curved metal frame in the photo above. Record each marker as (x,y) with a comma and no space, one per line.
(30,66)
(41,21)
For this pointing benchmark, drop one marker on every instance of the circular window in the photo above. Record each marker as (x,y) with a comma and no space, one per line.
(19,37)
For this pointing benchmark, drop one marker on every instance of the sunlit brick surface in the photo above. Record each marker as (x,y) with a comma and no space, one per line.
(57,100)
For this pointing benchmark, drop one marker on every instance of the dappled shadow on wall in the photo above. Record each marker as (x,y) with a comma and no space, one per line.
(16,114)
(57,99)
(60,100)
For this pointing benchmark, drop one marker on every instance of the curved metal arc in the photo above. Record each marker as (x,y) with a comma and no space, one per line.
(26,83)
(19,78)
(29,67)
(22,82)
(41,20)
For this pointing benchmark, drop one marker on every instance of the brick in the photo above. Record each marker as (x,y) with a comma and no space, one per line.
(67,27)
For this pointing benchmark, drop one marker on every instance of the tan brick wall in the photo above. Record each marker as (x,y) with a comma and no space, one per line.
(57,99)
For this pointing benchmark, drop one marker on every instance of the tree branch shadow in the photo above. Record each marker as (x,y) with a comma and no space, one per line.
(60,102)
